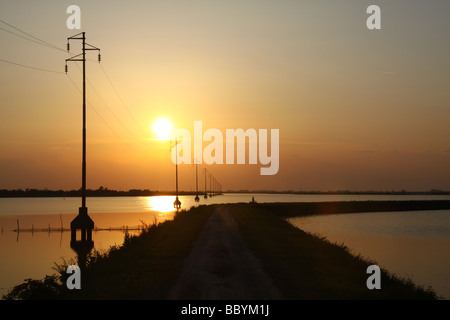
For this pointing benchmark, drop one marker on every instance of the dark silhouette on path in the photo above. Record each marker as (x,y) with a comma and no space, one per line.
(221,267)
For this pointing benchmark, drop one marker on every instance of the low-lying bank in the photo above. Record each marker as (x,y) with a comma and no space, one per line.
(305,266)
(295,209)
(301,265)
(143,267)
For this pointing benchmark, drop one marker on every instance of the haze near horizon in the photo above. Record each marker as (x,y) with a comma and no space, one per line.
(356,109)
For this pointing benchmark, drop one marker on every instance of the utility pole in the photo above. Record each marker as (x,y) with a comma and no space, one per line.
(210,186)
(82,221)
(206,192)
(197,199)
(177,202)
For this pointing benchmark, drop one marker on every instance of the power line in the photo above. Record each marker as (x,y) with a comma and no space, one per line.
(107,106)
(30,67)
(120,98)
(36,41)
(101,118)
(18,35)
(47,44)
(39,41)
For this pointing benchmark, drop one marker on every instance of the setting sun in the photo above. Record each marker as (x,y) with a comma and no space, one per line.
(162,128)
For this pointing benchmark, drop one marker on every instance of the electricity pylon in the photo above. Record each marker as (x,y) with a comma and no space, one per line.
(82,221)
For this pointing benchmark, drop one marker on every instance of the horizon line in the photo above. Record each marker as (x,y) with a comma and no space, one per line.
(289,191)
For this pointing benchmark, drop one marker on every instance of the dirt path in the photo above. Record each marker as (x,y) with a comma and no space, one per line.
(221,267)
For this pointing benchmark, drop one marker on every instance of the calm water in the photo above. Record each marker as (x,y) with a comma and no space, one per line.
(412,244)
(30,254)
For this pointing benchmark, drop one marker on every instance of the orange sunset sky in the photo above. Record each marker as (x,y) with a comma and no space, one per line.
(356,109)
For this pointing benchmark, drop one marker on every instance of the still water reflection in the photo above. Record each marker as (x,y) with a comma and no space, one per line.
(43,239)
(160,204)
(32,252)
(411,244)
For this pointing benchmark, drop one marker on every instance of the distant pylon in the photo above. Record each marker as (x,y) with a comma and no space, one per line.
(177,202)
(197,199)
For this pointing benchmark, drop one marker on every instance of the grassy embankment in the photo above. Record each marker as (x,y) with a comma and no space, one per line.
(144,267)
(301,265)
(305,266)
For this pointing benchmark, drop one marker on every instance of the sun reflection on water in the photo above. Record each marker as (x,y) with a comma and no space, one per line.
(161,204)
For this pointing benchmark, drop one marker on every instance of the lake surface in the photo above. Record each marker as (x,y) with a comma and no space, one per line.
(33,251)
(410,244)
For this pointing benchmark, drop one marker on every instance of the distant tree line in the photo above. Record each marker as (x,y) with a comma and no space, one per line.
(105,192)
(340,192)
(100,192)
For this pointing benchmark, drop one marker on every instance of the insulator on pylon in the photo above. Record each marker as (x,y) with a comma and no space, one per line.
(68,47)
(66,68)
(99,57)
